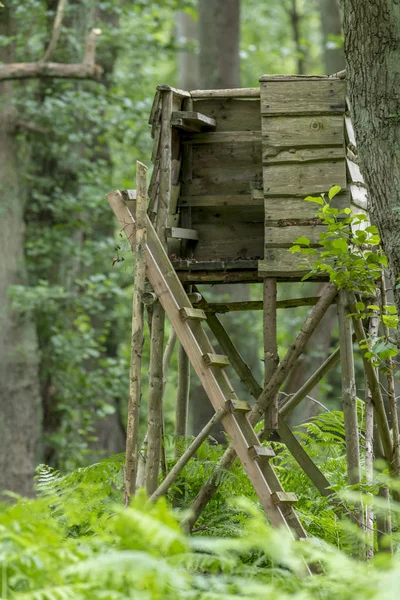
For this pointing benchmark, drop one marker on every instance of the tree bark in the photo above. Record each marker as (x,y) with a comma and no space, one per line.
(20,407)
(219,22)
(187,57)
(372,49)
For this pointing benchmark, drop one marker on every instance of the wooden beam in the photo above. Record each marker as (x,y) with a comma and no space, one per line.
(271,358)
(230,93)
(192,121)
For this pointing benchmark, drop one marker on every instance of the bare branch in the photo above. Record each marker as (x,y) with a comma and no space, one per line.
(90,52)
(49,70)
(56,30)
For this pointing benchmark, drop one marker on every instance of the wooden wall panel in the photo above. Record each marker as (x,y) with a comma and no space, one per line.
(229,241)
(231,114)
(298,179)
(311,130)
(302,95)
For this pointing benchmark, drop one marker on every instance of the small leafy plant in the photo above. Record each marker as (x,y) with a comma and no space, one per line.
(351,255)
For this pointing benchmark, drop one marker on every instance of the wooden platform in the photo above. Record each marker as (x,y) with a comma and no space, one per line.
(242,162)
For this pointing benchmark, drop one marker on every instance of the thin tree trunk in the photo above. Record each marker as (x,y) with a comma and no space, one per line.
(135,376)
(187,56)
(20,405)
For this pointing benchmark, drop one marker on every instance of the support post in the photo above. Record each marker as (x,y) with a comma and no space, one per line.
(271,358)
(158,318)
(132,433)
(182,401)
(373,383)
(349,400)
(391,394)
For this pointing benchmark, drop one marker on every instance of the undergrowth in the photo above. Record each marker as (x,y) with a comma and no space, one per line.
(76,541)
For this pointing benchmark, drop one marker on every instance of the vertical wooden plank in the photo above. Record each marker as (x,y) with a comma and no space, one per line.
(155,415)
(132,432)
(271,358)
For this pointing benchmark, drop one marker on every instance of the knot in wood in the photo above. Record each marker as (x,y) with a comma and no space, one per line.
(316,125)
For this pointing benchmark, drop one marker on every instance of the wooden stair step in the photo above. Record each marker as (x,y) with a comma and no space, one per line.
(233,404)
(216,360)
(261,452)
(192,121)
(284,498)
(181,233)
(192,314)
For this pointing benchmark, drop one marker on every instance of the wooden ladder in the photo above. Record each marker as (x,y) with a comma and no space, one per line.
(188,325)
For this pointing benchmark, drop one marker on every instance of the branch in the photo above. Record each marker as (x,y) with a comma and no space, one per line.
(56,30)
(48,70)
(31,127)
(87,69)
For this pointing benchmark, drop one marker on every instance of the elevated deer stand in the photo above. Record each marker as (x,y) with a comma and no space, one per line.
(231,170)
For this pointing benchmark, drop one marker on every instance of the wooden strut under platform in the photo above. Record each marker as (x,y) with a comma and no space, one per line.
(187,323)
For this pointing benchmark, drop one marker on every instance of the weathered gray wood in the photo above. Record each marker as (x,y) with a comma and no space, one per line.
(273,154)
(215,360)
(211,277)
(132,430)
(227,215)
(229,241)
(182,397)
(284,497)
(304,179)
(284,237)
(284,208)
(278,262)
(155,107)
(222,137)
(215,265)
(225,154)
(192,121)
(297,95)
(193,313)
(176,92)
(237,405)
(349,392)
(314,131)
(165,167)
(224,307)
(229,93)
(182,234)
(156,143)
(261,452)
(359,196)
(271,358)
(354,171)
(219,201)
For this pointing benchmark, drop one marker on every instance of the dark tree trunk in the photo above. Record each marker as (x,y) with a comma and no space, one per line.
(20,410)
(372,49)
(219,22)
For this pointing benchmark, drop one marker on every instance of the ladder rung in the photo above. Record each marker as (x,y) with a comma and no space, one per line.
(240,405)
(181,233)
(194,314)
(216,360)
(261,451)
(192,121)
(284,497)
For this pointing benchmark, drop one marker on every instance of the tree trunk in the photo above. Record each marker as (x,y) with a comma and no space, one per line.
(20,407)
(372,49)
(330,24)
(187,57)
(219,22)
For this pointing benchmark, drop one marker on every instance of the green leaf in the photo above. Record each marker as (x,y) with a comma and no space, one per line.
(390,309)
(373,306)
(302,240)
(334,191)
(295,249)
(360,306)
(315,199)
(340,245)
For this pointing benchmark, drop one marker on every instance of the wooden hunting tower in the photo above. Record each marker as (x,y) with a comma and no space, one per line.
(226,201)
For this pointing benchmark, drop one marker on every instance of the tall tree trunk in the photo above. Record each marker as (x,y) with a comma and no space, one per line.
(20,408)
(372,49)
(219,23)
(330,24)
(187,58)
